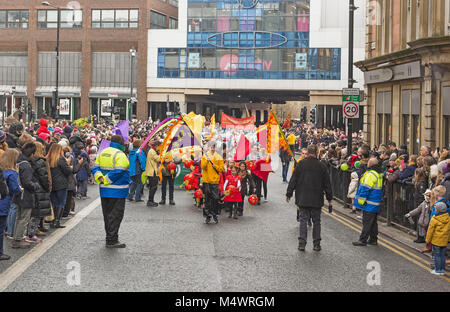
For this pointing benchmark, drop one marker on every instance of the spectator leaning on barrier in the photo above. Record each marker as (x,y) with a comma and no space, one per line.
(368,198)
(407,172)
(446,180)
(423,213)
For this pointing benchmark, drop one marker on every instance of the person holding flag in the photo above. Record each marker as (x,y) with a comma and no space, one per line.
(212,165)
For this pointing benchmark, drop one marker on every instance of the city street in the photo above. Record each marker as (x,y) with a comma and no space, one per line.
(170,248)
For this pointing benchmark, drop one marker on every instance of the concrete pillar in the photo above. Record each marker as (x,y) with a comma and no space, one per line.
(32,73)
(429,107)
(86,77)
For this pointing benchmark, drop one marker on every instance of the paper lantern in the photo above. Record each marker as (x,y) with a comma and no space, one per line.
(251,166)
(253,200)
(188,164)
(232,189)
(198,194)
(172,167)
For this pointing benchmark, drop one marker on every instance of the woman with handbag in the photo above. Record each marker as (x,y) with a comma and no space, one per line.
(60,171)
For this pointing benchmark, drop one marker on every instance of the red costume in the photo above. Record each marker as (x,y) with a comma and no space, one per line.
(236,196)
(43,128)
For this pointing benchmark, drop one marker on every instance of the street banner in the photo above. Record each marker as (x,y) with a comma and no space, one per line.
(237,123)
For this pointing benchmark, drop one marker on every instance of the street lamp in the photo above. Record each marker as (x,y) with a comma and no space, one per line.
(132,56)
(53,112)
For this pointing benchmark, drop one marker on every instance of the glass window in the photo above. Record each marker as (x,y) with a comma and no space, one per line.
(157,20)
(172,59)
(122,18)
(173,2)
(2,19)
(69,18)
(13,19)
(209,59)
(173,23)
(195,9)
(96,15)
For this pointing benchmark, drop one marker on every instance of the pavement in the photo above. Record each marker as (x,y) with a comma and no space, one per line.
(170,248)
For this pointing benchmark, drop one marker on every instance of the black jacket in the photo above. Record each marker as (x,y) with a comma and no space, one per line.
(446,182)
(27,182)
(42,195)
(12,141)
(285,157)
(310,181)
(3,186)
(247,185)
(60,175)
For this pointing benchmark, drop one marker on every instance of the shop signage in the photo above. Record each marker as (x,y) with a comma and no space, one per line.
(399,72)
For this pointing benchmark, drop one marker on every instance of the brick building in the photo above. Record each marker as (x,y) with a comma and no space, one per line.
(95,59)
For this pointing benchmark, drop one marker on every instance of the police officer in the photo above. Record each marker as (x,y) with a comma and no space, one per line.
(112,175)
(369,197)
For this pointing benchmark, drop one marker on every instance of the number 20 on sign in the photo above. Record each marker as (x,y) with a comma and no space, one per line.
(350,99)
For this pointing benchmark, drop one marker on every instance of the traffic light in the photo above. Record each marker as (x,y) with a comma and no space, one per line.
(312,117)
(303,115)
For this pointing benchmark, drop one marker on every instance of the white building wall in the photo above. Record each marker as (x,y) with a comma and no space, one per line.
(329,29)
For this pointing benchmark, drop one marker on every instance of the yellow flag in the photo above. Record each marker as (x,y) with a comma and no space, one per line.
(213,124)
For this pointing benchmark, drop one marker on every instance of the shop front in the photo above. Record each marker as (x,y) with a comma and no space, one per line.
(10,95)
(69,106)
(112,105)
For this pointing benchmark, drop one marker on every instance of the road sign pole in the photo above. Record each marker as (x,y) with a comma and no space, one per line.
(350,70)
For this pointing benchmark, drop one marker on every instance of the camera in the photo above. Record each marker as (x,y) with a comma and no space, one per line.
(67,155)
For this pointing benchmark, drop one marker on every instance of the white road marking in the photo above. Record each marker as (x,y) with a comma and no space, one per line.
(14,271)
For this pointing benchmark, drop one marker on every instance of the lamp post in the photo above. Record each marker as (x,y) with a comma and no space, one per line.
(132,56)
(351,81)
(54,111)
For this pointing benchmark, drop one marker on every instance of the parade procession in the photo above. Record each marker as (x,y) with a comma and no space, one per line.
(224,154)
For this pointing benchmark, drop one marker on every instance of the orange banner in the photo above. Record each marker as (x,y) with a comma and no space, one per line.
(237,123)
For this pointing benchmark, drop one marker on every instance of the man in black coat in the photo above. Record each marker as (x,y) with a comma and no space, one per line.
(310,181)
(14,133)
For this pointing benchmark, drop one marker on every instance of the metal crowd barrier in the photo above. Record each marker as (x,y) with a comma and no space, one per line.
(397,197)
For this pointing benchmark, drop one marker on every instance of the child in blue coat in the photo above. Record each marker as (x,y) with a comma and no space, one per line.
(10,175)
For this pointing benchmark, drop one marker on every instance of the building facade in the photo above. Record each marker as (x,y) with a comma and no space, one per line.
(407,73)
(98,74)
(241,57)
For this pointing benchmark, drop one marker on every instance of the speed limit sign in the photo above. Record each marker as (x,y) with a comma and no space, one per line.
(350,102)
(351,110)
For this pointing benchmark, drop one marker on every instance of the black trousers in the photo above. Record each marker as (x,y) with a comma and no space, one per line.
(113,211)
(306,213)
(153,186)
(167,180)
(258,182)
(70,204)
(212,200)
(370,227)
